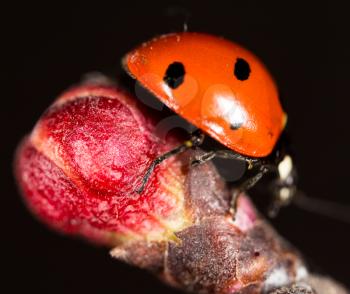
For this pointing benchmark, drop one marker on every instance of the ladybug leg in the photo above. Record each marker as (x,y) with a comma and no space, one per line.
(157,161)
(203,158)
(251,182)
(195,140)
(226,154)
(246,185)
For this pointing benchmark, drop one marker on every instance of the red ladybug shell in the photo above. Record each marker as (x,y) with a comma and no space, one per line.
(216,85)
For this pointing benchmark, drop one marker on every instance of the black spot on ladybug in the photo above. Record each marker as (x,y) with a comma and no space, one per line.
(174,75)
(235,126)
(242,69)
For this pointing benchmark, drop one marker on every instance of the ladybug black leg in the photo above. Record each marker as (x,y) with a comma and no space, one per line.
(157,161)
(203,158)
(195,140)
(246,185)
(226,154)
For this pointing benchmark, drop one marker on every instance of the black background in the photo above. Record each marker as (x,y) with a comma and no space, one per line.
(48,47)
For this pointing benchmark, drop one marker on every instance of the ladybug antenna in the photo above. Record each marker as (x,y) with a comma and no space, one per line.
(284,191)
(187,18)
(185,26)
(326,208)
(180,12)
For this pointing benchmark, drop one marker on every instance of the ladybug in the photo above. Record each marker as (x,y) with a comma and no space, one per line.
(226,92)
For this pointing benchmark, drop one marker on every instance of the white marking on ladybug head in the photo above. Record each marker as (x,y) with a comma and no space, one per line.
(285,167)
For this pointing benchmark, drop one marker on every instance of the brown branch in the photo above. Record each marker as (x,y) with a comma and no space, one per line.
(218,255)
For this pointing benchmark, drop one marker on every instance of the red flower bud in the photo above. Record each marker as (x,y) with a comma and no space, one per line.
(81,165)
